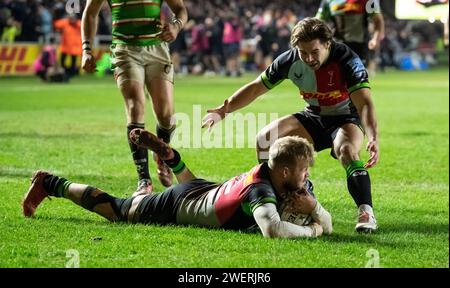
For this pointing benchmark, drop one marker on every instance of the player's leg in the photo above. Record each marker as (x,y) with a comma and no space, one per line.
(159,82)
(346,146)
(161,92)
(168,155)
(286,126)
(134,97)
(45,184)
(130,76)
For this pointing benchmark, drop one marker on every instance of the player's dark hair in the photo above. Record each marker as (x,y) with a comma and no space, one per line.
(310,29)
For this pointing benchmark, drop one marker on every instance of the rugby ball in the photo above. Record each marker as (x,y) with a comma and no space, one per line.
(296,218)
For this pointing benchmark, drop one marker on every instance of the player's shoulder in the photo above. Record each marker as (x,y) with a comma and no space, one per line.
(263,187)
(341,51)
(261,190)
(280,67)
(342,54)
(288,57)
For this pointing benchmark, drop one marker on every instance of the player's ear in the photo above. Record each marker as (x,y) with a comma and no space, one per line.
(285,171)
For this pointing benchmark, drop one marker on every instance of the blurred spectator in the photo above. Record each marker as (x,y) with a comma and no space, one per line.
(10,31)
(266,35)
(282,37)
(177,49)
(59,9)
(70,29)
(232,37)
(214,34)
(46,65)
(264,27)
(31,23)
(46,21)
(5,14)
(199,46)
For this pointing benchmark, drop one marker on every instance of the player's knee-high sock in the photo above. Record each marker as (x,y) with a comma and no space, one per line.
(176,164)
(165,134)
(56,186)
(140,155)
(358,183)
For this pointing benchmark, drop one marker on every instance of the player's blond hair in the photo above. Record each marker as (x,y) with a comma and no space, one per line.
(287,150)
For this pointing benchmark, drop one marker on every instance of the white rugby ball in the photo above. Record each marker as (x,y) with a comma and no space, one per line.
(296,218)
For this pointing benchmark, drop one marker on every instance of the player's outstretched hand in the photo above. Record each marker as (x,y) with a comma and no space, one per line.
(215,115)
(372,148)
(88,62)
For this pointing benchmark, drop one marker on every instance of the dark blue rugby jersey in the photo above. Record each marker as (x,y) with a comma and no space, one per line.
(326,90)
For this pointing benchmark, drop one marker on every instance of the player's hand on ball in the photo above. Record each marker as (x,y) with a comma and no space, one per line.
(317,229)
(215,115)
(88,62)
(303,202)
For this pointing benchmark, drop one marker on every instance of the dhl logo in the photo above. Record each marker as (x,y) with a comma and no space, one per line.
(14,60)
(347,7)
(18,59)
(336,94)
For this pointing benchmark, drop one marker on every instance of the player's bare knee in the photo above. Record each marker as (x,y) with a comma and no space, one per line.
(346,153)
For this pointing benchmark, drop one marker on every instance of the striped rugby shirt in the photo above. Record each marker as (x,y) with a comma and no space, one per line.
(136,22)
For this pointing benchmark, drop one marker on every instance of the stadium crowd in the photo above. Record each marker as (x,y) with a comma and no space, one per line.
(225,37)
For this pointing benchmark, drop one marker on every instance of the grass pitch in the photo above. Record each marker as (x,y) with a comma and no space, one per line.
(78,131)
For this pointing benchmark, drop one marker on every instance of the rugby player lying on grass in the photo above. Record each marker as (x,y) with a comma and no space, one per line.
(257,197)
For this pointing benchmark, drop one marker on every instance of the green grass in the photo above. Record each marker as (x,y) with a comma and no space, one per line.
(78,131)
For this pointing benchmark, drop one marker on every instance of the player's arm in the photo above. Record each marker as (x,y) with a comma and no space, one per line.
(262,202)
(271,225)
(241,98)
(322,217)
(275,74)
(378,33)
(362,100)
(172,28)
(246,95)
(89,22)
